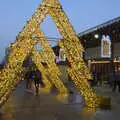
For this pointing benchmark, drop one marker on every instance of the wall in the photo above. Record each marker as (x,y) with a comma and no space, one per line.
(96,52)
(92,53)
(117,49)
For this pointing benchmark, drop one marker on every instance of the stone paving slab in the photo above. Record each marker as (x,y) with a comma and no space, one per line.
(26,106)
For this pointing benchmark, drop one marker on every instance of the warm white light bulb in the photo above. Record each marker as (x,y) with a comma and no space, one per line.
(96,36)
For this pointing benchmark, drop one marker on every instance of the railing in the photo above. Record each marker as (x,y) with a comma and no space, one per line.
(102,72)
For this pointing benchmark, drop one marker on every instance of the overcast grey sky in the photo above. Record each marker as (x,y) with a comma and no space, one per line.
(83,14)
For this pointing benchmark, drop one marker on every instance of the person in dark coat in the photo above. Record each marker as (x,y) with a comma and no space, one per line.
(116,81)
(37,77)
(28,79)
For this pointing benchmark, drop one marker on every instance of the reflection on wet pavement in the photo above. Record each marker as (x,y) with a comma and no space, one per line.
(26,106)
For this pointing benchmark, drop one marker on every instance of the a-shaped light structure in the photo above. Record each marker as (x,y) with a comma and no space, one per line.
(25,42)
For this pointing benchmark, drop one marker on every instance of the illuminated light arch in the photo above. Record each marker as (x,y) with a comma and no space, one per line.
(24,44)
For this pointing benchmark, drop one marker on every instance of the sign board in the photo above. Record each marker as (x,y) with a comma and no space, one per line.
(62,56)
(105,46)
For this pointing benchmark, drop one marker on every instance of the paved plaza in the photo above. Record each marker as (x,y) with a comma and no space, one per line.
(26,106)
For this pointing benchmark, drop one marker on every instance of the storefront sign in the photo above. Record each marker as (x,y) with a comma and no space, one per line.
(62,56)
(105,47)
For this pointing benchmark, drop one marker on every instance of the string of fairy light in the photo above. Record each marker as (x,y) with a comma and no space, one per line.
(52,70)
(78,71)
(24,44)
(36,57)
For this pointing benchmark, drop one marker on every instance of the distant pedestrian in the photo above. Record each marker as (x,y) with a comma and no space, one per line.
(37,77)
(94,79)
(116,82)
(28,79)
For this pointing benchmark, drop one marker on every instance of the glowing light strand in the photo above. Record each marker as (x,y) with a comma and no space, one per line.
(24,44)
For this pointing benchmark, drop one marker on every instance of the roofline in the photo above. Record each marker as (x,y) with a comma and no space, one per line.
(99,26)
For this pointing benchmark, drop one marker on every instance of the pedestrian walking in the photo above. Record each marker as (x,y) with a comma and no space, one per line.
(116,82)
(37,78)
(28,79)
